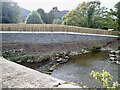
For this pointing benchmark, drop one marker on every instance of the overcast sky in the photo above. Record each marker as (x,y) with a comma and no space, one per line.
(47,5)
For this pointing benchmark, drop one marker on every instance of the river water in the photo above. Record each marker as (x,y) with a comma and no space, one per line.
(79,67)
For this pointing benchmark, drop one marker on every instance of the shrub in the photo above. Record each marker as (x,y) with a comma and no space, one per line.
(96,49)
(104,77)
(34,18)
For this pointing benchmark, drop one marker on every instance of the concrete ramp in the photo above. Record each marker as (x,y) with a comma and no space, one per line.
(17,76)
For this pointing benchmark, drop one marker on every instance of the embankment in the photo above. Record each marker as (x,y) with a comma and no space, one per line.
(48,42)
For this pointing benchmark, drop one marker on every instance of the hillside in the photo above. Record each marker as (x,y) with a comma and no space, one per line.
(24,13)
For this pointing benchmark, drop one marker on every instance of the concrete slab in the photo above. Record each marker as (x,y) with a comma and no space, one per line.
(17,76)
(67,86)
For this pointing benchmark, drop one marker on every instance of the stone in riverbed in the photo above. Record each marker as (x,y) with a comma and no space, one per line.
(66,57)
(64,60)
(18,61)
(49,73)
(57,57)
(59,60)
(51,69)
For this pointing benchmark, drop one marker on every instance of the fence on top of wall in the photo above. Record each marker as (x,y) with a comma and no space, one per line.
(54,28)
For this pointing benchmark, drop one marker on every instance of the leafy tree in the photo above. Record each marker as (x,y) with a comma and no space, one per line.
(104,19)
(76,17)
(90,14)
(91,9)
(10,12)
(117,6)
(34,18)
(43,15)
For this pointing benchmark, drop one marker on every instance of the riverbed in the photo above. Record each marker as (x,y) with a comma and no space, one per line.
(79,67)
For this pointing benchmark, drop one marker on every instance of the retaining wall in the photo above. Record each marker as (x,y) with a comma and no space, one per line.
(47,42)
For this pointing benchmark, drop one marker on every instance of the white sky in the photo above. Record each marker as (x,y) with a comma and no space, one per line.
(47,5)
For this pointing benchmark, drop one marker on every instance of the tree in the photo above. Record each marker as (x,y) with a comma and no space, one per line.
(104,19)
(56,21)
(50,17)
(117,6)
(10,12)
(34,18)
(92,15)
(43,15)
(91,9)
(82,15)
(76,17)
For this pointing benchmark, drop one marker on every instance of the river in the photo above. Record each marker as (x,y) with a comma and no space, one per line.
(79,67)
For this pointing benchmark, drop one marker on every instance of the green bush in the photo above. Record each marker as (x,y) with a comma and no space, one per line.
(118,47)
(103,78)
(96,49)
(8,54)
(34,18)
(43,58)
(25,58)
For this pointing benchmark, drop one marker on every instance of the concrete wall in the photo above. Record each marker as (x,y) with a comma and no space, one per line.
(36,42)
(52,37)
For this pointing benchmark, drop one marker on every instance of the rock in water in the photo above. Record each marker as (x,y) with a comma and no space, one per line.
(59,60)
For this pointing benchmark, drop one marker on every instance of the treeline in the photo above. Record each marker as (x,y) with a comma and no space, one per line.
(92,15)
(43,17)
(86,14)
(11,13)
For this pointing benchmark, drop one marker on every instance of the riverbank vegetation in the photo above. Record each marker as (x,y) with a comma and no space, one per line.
(50,61)
(104,78)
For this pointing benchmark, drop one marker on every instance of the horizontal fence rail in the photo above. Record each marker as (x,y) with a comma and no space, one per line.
(53,28)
